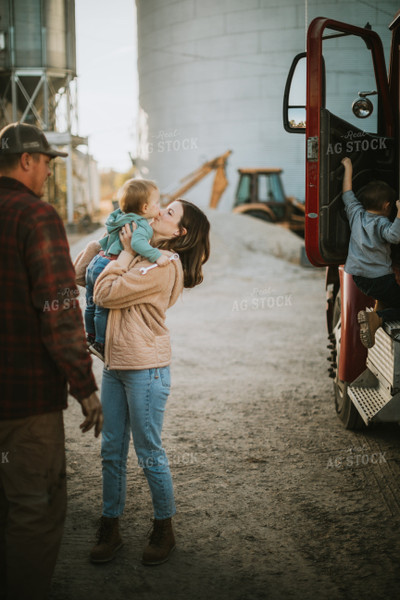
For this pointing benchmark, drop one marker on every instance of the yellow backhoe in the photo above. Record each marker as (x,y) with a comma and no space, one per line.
(220,184)
(259,193)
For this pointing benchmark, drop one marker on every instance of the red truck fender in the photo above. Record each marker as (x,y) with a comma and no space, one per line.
(353,355)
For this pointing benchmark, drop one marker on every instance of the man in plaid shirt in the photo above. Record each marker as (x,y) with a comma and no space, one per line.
(42,349)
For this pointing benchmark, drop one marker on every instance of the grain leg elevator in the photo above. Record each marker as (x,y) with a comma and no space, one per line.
(38,84)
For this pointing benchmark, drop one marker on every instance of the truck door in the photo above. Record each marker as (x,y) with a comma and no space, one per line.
(349,113)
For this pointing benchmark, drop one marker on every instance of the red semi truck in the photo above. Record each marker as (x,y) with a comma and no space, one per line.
(351,108)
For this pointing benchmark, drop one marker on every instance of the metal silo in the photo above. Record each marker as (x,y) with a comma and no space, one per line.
(37,58)
(38,86)
(212,77)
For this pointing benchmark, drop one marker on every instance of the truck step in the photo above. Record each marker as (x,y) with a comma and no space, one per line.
(376,392)
(384,357)
(373,405)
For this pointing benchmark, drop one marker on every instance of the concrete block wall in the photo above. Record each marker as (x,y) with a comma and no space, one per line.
(211,78)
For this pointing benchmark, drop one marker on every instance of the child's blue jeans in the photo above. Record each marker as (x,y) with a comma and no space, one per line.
(95,316)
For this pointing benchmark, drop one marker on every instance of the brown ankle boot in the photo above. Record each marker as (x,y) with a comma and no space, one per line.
(379,305)
(369,323)
(108,541)
(161,543)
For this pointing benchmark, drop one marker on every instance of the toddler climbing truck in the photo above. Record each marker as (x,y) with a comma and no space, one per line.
(337,123)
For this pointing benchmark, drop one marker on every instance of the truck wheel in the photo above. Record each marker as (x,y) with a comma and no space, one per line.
(345,409)
(259,214)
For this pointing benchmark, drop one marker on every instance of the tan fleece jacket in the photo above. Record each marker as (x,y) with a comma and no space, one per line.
(136,336)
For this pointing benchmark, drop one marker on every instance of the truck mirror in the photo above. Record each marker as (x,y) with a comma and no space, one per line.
(362,106)
(297,119)
(294,98)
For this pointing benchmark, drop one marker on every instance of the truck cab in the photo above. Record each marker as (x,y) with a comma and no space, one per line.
(353,114)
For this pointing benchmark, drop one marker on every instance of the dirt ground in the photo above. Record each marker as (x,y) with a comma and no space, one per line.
(275,499)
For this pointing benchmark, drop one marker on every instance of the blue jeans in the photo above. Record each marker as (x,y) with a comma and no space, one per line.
(95,316)
(135,401)
(386,290)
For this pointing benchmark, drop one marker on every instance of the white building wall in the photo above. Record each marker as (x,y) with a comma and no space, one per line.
(86,183)
(211,78)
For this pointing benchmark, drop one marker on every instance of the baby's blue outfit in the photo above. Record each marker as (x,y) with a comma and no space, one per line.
(96,316)
(111,244)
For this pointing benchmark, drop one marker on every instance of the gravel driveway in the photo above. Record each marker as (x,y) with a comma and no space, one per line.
(275,499)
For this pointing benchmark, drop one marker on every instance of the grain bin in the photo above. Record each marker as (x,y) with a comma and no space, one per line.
(38,86)
(37,58)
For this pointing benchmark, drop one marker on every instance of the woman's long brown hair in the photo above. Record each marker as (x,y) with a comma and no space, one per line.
(193,247)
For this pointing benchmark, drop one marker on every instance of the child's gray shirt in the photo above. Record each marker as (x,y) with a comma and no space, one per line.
(371,235)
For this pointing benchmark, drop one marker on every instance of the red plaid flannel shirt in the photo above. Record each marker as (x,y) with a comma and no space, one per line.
(42,340)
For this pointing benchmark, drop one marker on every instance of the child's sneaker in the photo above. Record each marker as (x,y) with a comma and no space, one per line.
(90,339)
(98,350)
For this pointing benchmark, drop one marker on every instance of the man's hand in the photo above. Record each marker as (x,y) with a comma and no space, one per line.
(398,208)
(163,260)
(93,412)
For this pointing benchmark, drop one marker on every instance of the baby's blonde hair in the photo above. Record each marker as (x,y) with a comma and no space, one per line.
(134,194)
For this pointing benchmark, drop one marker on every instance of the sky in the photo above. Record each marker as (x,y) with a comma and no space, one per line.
(106,56)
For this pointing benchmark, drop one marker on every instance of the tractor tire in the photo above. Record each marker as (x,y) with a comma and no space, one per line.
(259,214)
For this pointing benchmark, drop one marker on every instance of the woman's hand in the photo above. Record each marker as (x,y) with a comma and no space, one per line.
(125,235)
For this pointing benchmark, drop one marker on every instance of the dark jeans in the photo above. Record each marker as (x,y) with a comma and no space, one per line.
(32,503)
(95,316)
(384,289)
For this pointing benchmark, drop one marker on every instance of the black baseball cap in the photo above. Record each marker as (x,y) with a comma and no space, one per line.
(18,138)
